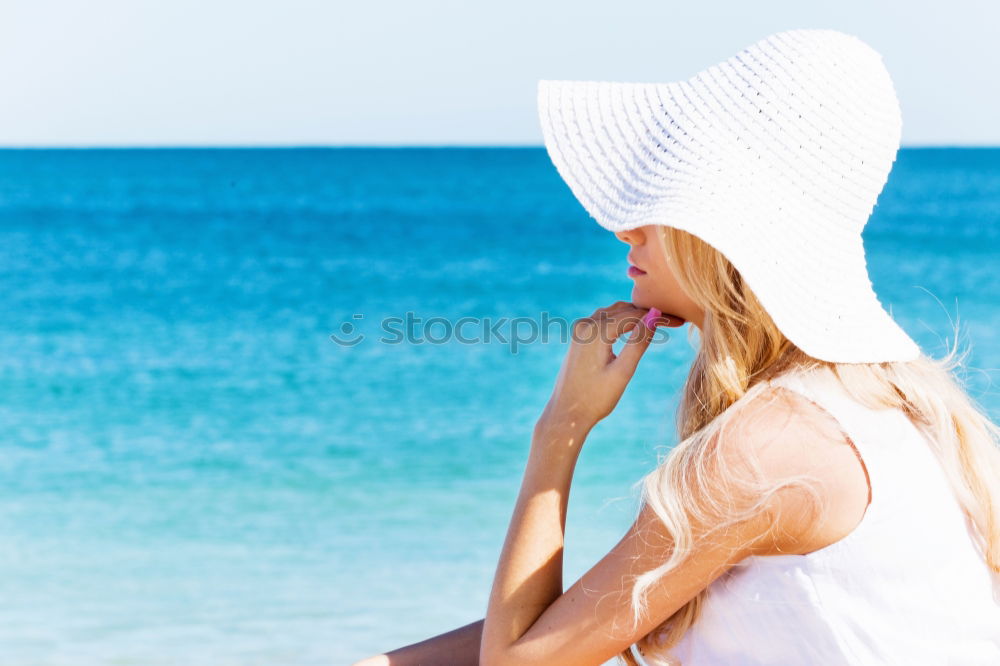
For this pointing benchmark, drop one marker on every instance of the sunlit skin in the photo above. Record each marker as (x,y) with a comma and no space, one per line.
(531,619)
(658,286)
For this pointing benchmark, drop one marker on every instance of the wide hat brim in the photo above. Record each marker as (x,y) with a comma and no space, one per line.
(646,153)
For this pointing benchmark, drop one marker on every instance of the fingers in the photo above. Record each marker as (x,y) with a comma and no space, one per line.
(623,321)
(611,322)
(635,347)
(619,321)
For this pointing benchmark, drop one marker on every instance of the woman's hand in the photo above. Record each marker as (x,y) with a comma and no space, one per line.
(592,378)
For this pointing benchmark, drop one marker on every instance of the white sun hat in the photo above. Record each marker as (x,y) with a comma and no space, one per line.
(775,157)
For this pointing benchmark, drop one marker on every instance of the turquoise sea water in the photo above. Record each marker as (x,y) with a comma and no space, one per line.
(193,472)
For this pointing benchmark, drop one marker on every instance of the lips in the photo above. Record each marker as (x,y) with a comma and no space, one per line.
(633,270)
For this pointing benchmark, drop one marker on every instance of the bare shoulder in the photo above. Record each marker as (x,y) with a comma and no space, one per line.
(786,436)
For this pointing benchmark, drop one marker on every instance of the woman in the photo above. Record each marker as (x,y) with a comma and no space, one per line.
(835,495)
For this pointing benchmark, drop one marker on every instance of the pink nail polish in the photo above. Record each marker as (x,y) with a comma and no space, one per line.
(650,317)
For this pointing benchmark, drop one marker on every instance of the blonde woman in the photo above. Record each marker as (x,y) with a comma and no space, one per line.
(834,497)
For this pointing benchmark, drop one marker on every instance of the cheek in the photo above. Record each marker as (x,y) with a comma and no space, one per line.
(665,270)
(660,270)
(664,284)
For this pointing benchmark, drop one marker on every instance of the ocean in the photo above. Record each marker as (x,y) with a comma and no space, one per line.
(218,448)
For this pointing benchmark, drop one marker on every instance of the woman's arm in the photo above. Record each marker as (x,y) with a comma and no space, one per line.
(458,647)
(527,592)
(531,621)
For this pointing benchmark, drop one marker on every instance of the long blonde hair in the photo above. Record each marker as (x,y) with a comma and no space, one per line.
(740,348)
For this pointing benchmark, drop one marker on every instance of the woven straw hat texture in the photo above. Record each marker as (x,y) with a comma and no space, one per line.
(775,156)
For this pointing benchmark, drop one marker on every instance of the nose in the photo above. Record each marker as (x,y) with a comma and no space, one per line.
(632,236)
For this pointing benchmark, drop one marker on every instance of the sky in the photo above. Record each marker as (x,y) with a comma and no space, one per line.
(433,72)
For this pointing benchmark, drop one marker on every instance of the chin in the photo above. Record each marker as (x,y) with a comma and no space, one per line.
(642,300)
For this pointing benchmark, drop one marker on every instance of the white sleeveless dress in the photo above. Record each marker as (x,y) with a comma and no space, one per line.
(906,586)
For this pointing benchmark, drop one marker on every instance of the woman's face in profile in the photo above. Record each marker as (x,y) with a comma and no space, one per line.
(651,270)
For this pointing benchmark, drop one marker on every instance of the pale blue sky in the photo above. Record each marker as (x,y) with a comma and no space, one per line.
(387,72)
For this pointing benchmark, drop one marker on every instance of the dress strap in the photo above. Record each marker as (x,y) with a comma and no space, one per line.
(903,470)
(880,437)
(638,655)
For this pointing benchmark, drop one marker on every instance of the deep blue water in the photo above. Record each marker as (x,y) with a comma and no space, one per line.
(193,472)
